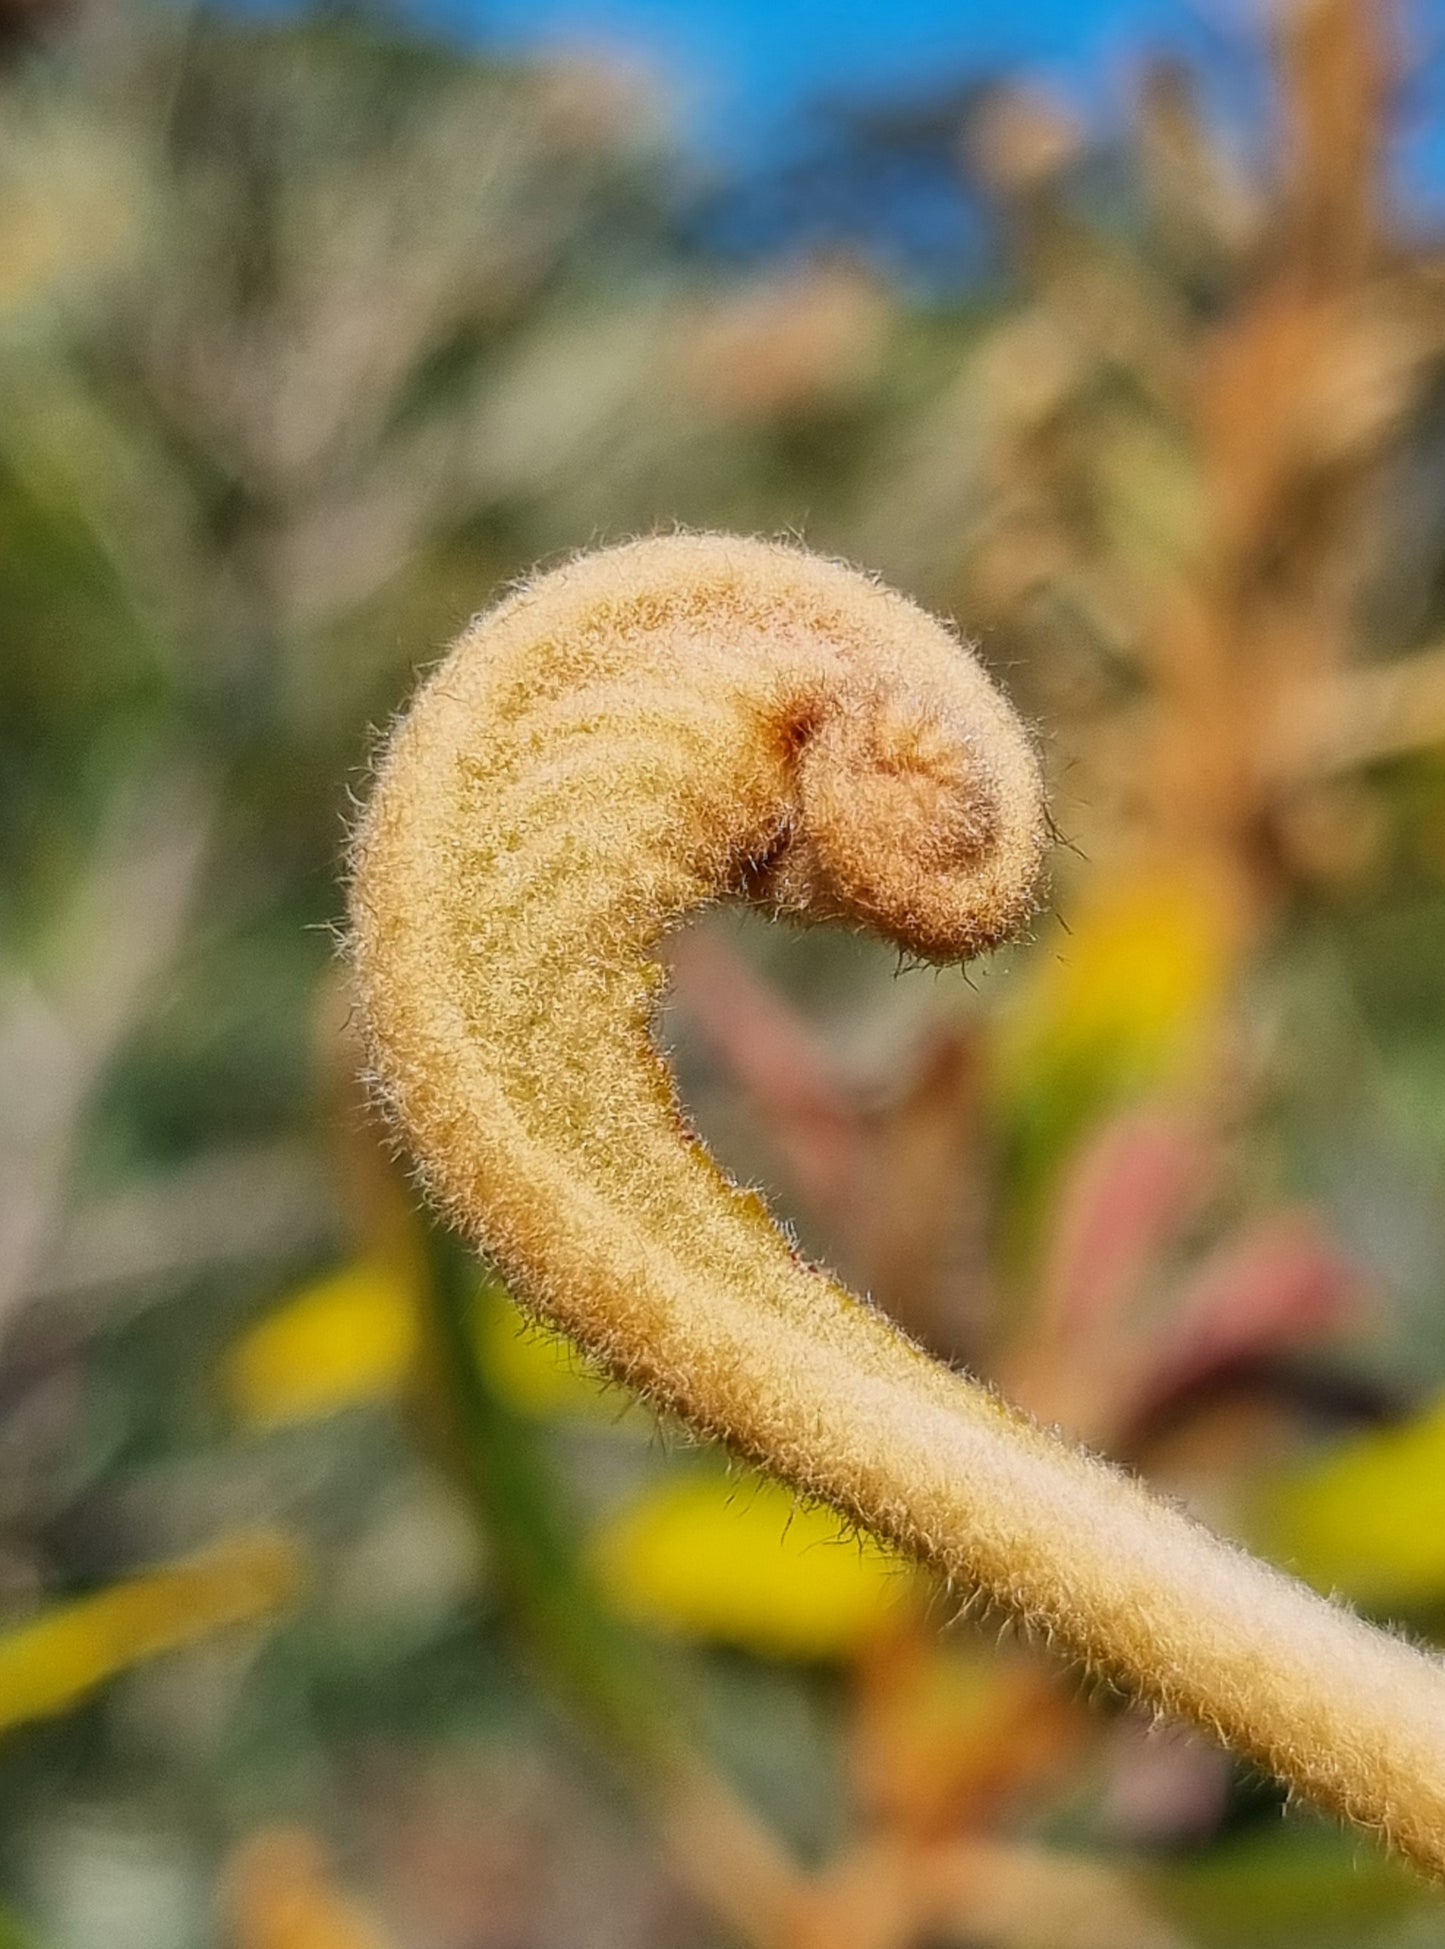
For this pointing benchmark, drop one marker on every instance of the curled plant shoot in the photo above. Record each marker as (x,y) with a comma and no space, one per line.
(686,719)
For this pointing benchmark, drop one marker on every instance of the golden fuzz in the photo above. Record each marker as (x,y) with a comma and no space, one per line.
(693,718)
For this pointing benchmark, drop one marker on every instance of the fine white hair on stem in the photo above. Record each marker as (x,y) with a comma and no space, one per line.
(693,718)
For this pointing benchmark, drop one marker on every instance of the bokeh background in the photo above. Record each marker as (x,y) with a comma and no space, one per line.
(341,1609)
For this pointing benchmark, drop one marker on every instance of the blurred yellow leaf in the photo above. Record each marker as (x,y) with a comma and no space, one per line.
(341,1341)
(1130,1004)
(352,1337)
(537,1371)
(1135,986)
(745,1563)
(50,1663)
(1370,1520)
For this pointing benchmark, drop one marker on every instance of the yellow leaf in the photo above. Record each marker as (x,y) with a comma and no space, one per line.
(352,1337)
(1370,1520)
(744,1563)
(537,1371)
(1134,989)
(49,1664)
(340,1342)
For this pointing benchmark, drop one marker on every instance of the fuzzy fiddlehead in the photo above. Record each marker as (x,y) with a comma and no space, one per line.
(694,718)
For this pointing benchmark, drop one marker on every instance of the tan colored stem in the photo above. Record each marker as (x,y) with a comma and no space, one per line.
(1361,717)
(692,718)
(994,1894)
(723,1854)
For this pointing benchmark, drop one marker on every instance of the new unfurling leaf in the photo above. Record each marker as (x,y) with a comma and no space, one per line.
(695,718)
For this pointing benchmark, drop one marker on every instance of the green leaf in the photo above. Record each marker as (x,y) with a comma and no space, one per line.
(1304,1885)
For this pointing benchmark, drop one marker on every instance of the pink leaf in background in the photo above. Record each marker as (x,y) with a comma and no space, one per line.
(1129,1193)
(773,1057)
(1277,1285)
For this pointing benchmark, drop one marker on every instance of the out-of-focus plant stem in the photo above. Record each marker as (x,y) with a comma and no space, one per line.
(491,1454)
(720,1851)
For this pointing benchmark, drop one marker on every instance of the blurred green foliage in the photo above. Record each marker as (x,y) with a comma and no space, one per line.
(312,335)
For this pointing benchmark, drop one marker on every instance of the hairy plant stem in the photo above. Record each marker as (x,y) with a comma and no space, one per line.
(695,718)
